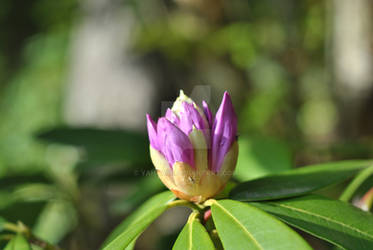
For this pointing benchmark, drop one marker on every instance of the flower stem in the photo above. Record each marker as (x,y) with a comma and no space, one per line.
(356,183)
(185,203)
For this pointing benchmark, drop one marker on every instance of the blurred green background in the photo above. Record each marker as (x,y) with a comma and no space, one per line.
(77,77)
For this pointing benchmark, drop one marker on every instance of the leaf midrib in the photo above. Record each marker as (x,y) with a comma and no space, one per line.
(242,226)
(190,236)
(325,218)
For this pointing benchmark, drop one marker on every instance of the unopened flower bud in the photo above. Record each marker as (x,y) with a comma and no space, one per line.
(194,153)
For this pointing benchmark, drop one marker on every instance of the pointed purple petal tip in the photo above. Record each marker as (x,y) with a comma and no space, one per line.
(152,132)
(224,132)
(208,113)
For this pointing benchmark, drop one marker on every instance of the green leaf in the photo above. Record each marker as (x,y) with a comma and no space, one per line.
(18,243)
(332,220)
(56,220)
(241,226)
(136,223)
(103,146)
(253,160)
(296,182)
(2,222)
(193,236)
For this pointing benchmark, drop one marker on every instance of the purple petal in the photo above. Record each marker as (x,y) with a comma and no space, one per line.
(224,131)
(207,112)
(189,117)
(176,144)
(152,132)
(172,117)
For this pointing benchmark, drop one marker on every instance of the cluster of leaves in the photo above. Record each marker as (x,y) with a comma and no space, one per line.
(54,199)
(256,214)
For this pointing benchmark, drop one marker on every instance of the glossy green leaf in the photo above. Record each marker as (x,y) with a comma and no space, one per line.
(253,160)
(332,220)
(296,182)
(241,226)
(136,223)
(18,243)
(193,236)
(103,146)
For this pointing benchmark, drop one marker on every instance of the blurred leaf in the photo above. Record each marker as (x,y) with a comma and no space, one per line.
(35,192)
(136,223)
(112,173)
(27,212)
(260,156)
(2,222)
(193,236)
(28,193)
(55,221)
(6,199)
(13,180)
(32,100)
(103,146)
(241,226)
(297,182)
(18,243)
(331,220)
(143,189)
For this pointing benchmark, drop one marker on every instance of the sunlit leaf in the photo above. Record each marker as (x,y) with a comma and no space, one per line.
(193,236)
(296,182)
(241,226)
(136,223)
(104,146)
(332,220)
(18,243)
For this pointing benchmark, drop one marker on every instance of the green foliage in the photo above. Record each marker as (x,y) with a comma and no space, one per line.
(297,182)
(134,225)
(103,146)
(241,226)
(193,236)
(18,243)
(334,221)
(262,224)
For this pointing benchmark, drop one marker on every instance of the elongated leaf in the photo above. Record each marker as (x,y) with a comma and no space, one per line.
(296,182)
(332,220)
(193,236)
(18,243)
(136,223)
(241,226)
(103,146)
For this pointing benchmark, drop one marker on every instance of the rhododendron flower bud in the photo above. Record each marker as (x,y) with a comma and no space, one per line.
(193,152)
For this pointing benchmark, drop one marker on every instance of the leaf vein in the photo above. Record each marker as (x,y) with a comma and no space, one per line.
(242,226)
(326,218)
